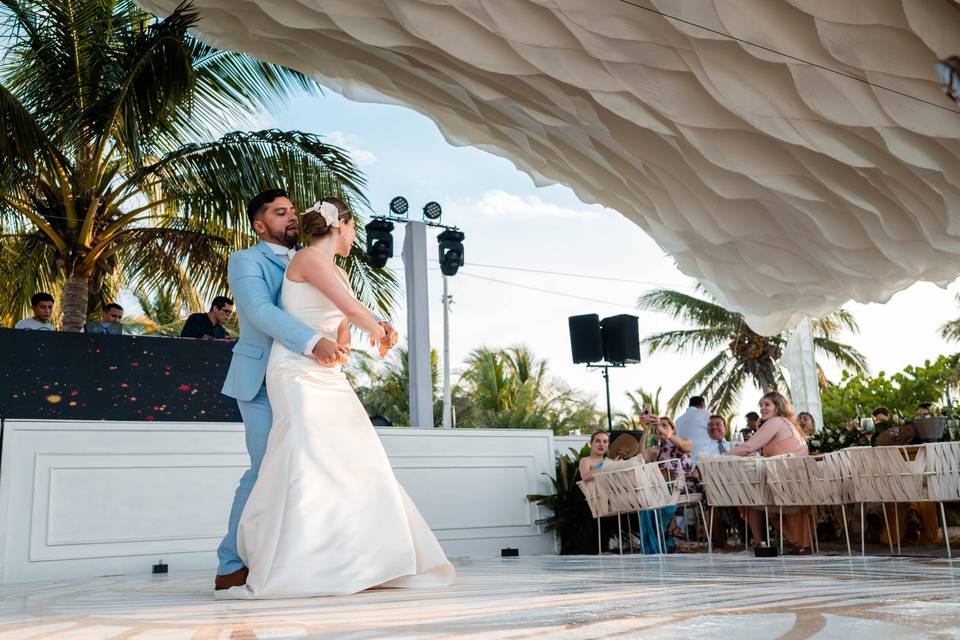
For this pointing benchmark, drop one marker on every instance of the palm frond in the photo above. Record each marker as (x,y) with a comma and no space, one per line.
(843,354)
(690,309)
(688,340)
(833,323)
(694,385)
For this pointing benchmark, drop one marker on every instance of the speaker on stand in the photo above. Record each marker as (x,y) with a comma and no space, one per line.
(612,342)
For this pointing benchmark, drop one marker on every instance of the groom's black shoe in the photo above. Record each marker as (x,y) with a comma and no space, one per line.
(235,579)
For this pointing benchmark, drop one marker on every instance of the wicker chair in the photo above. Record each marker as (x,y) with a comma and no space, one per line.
(632,486)
(733,481)
(811,481)
(886,474)
(942,471)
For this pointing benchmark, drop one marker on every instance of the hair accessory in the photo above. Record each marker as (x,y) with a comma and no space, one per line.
(329,211)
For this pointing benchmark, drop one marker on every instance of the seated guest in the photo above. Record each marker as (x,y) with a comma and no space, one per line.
(692,426)
(753,423)
(881,422)
(778,434)
(717,430)
(109,322)
(42,304)
(674,452)
(599,443)
(723,518)
(209,325)
(807,424)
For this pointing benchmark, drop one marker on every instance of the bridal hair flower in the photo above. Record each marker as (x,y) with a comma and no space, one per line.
(329,211)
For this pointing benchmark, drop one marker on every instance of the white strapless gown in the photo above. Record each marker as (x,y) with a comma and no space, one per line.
(327,515)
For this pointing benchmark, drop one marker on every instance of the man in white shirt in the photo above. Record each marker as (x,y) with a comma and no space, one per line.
(42,304)
(692,426)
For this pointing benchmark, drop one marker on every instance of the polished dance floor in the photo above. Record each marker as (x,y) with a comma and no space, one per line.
(675,597)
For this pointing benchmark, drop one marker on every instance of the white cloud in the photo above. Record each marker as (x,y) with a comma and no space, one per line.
(351,143)
(499,204)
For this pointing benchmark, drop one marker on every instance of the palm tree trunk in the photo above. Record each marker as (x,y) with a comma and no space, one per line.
(76,297)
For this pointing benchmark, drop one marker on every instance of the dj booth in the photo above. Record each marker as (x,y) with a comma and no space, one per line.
(117,452)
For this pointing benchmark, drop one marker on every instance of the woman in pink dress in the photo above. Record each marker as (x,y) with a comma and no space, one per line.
(778,434)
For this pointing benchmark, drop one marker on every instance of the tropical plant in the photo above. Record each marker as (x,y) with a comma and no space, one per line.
(859,395)
(744,354)
(569,515)
(116,168)
(510,388)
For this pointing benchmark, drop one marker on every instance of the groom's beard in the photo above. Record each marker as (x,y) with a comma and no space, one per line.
(288,239)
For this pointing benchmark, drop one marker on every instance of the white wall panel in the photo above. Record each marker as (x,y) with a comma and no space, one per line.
(95,498)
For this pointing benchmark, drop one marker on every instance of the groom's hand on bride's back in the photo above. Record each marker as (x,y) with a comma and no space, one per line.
(327,352)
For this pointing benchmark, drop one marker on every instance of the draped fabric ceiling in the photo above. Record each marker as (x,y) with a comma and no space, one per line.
(785,188)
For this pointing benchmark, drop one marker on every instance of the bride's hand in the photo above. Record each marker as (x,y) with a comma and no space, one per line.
(388,341)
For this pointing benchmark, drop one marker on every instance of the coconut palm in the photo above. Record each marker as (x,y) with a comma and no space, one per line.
(510,388)
(744,355)
(116,170)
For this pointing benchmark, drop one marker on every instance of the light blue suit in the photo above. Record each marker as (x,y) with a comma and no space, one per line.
(255,276)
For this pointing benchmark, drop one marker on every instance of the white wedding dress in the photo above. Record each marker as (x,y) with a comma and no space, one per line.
(327,516)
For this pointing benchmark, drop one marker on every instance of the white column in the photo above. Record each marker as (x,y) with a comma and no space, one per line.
(418,324)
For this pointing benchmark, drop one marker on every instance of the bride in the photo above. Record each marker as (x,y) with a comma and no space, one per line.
(326,515)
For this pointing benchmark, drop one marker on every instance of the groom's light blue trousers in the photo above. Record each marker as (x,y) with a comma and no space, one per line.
(257,419)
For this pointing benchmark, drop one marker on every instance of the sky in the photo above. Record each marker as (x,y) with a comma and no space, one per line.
(513,227)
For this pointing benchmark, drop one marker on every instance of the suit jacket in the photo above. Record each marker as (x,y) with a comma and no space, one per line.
(256,276)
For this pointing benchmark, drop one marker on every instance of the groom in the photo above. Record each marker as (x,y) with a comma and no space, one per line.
(255,276)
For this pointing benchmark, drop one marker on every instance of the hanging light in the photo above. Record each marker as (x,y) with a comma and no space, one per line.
(451,251)
(379,242)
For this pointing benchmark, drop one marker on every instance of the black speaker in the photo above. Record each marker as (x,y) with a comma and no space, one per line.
(585,342)
(621,339)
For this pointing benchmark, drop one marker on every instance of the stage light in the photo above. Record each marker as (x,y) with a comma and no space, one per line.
(451,251)
(380,241)
(432,211)
(948,71)
(399,207)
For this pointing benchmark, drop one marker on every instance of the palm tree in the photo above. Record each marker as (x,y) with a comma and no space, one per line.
(163,314)
(113,171)
(744,354)
(631,419)
(510,388)
(951,330)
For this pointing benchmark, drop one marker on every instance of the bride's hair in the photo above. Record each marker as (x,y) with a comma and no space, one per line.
(313,224)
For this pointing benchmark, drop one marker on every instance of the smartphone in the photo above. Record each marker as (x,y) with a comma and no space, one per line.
(647,408)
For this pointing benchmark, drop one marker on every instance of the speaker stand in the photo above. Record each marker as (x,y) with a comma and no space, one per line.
(606,380)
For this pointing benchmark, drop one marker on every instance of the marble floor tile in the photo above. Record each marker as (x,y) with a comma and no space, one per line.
(680,596)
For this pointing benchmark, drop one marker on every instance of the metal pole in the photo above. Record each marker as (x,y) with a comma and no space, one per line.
(447,400)
(418,325)
(606,379)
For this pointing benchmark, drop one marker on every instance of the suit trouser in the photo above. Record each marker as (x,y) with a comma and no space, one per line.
(257,420)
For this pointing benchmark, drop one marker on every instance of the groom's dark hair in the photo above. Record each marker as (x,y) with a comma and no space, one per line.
(261,200)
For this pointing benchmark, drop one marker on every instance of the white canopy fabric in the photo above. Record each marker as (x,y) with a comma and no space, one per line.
(786,185)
